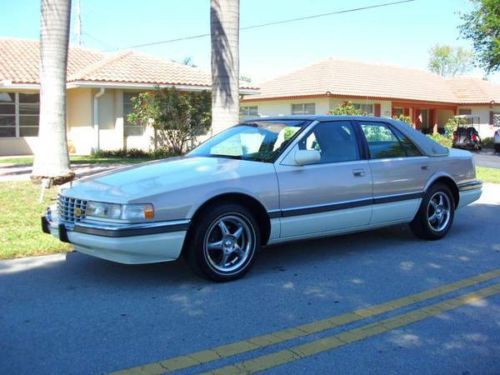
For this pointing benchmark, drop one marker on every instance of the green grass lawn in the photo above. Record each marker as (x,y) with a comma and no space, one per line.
(28,160)
(20,230)
(488,174)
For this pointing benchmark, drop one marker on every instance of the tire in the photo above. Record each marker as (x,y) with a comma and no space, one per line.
(430,224)
(497,147)
(223,252)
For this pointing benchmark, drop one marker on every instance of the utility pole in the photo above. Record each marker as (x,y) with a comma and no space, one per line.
(78,24)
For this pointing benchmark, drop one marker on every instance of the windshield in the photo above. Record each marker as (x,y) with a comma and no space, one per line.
(256,141)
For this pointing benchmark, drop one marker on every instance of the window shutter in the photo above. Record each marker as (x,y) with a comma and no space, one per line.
(377,110)
(492,117)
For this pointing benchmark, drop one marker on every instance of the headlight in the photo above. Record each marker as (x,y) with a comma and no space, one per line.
(129,212)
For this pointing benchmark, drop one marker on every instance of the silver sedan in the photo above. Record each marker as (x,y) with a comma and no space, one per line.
(264,182)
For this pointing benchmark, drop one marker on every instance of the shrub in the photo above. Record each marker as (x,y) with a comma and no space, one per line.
(178,117)
(488,142)
(403,118)
(441,139)
(135,153)
(345,108)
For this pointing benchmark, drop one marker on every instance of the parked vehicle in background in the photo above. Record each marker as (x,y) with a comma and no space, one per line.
(263,182)
(466,137)
(497,141)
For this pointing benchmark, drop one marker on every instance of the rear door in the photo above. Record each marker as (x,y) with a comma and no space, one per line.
(399,171)
(329,196)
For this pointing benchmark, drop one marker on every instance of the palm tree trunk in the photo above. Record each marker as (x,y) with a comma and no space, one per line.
(224,29)
(51,155)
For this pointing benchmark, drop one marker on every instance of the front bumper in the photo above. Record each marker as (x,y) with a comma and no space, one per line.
(127,243)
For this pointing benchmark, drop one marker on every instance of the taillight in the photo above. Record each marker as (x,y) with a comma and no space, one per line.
(473,137)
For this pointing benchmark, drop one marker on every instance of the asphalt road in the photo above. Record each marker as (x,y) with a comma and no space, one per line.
(488,159)
(73,314)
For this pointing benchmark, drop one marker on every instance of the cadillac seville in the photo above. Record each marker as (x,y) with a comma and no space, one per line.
(263,182)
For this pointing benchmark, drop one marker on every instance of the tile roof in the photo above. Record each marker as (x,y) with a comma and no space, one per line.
(356,79)
(19,62)
(474,90)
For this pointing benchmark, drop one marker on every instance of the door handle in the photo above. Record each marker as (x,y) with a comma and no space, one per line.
(424,167)
(358,172)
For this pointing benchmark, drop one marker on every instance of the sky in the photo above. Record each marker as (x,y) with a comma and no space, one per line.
(396,35)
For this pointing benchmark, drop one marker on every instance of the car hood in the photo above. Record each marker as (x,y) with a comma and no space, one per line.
(157,177)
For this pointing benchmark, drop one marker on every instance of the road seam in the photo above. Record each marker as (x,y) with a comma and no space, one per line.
(262,341)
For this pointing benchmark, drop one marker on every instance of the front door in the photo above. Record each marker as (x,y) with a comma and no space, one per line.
(331,195)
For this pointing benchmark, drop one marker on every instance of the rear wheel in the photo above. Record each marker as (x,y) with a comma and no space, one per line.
(224,242)
(435,215)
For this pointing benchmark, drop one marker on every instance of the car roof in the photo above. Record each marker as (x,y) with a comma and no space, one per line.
(317,118)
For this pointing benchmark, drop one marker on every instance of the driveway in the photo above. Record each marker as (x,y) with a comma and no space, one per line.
(487,158)
(73,314)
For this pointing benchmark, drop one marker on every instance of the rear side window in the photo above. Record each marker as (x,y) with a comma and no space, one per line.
(383,142)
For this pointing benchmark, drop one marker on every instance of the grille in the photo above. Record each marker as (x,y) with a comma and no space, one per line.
(67,206)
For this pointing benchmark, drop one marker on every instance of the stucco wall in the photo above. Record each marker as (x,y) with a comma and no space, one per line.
(323,105)
(284,107)
(81,136)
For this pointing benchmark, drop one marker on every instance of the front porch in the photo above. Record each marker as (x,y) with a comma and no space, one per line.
(427,117)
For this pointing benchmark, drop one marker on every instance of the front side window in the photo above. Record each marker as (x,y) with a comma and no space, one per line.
(304,109)
(255,141)
(335,141)
(383,142)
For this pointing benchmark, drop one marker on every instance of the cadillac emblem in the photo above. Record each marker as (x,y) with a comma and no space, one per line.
(78,211)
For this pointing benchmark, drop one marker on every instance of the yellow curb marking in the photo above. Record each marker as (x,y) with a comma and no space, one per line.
(258,342)
(284,356)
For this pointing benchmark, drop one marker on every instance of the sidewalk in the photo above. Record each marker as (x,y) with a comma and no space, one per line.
(13,172)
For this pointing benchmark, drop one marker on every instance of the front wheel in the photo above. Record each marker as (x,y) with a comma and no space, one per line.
(224,242)
(435,215)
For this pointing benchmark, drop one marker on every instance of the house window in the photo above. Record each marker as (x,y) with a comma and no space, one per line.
(365,109)
(249,111)
(464,111)
(29,114)
(128,127)
(19,114)
(304,109)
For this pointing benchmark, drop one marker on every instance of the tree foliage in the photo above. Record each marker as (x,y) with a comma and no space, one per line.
(177,117)
(482,27)
(449,61)
(403,118)
(346,108)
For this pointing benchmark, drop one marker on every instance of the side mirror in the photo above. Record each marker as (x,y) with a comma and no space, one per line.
(305,157)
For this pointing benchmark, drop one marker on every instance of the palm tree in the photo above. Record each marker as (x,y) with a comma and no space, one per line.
(224,30)
(51,155)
